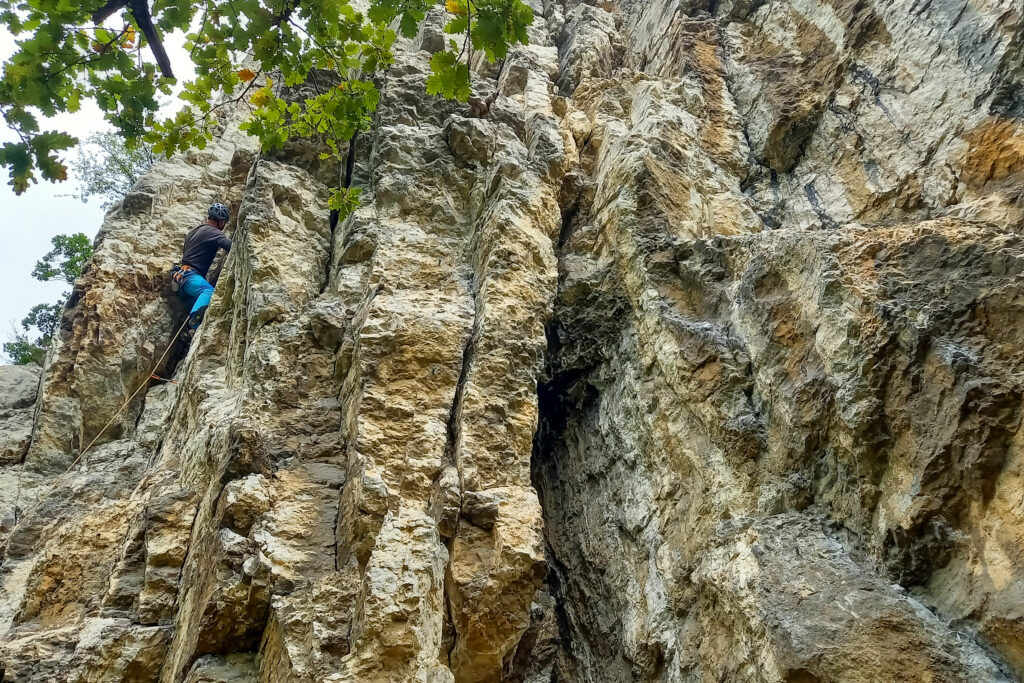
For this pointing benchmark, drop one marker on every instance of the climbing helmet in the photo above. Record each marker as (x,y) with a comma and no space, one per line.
(219,212)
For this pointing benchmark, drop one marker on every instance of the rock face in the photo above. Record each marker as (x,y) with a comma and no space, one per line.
(18,387)
(691,350)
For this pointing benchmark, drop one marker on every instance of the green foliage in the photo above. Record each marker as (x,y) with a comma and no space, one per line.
(108,166)
(488,25)
(244,51)
(64,262)
(22,351)
(345,200)
(448,77)
(44,318)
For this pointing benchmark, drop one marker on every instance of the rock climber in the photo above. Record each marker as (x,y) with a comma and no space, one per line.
(201,245)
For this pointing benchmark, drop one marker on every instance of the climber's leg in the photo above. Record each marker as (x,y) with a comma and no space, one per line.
(194,285)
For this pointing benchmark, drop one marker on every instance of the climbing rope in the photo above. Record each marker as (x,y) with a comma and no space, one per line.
(53,487)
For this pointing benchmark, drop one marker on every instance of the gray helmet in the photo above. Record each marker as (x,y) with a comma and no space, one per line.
(219,212)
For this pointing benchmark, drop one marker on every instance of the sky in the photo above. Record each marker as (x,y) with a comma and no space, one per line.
(29,221)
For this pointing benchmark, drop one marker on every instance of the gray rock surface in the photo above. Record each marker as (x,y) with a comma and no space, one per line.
(18,387)
(690,350)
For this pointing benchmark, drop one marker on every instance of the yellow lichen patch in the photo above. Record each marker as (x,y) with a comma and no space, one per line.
(995,151)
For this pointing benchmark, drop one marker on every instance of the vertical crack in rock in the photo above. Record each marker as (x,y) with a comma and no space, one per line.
(449,489)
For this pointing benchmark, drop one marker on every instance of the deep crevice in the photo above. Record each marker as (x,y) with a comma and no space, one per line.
(453,435)
(335,216)
(454,431)
(568,221)
(346,183)
(449,621)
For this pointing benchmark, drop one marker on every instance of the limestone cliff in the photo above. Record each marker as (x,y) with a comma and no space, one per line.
(691,350)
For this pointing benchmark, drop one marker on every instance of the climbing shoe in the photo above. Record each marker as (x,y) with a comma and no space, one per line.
(195,319)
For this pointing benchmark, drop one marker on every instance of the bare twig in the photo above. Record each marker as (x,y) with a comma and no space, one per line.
(103,48)
(202,28)
(235,100)
(13,126)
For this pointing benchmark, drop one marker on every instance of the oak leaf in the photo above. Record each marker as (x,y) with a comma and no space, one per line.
(260,97)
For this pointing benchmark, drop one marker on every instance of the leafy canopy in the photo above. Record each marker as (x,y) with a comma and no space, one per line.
(64,262)
(244,51)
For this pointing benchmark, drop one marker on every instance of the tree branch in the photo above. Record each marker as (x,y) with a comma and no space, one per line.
(100,15)
(140,11)
(286,12)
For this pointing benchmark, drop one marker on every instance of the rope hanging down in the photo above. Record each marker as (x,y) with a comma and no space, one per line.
(53,487)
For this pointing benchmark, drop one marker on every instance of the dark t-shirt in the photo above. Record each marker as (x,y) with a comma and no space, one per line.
(201,245)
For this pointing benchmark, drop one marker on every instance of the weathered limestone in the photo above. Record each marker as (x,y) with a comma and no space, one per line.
(836,413)
(18,385)
(287,521)
(750,436)
(689,349)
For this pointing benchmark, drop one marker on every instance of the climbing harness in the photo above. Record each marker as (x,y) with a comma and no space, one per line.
(53,487)
(178,271)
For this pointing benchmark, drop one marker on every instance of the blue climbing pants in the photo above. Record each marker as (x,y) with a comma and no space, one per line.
(195,285)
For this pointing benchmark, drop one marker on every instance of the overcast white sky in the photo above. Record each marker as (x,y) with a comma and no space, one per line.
(29,221)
